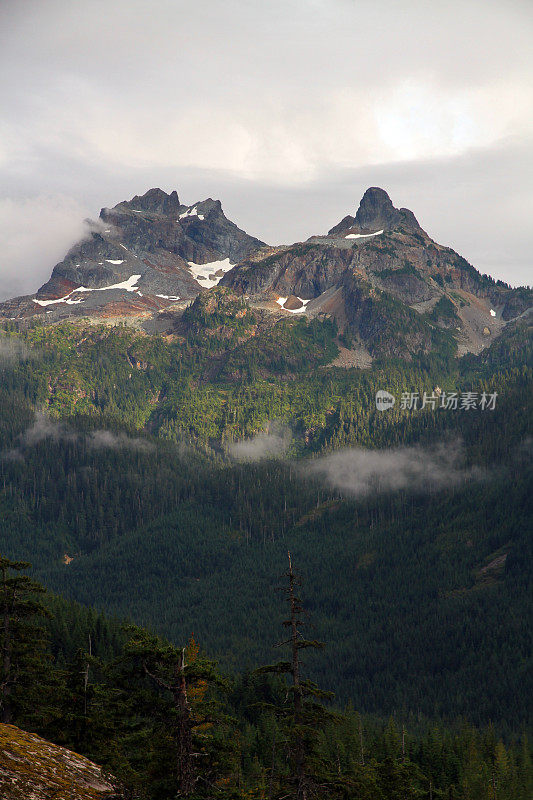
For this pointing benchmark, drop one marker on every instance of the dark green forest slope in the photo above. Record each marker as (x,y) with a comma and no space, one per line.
(165,722)
(423,592)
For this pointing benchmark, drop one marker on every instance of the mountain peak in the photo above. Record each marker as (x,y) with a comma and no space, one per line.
(376,212)
(145,254)
(375,205)
(155,201)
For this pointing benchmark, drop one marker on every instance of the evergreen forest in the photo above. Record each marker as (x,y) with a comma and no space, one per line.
(156,483)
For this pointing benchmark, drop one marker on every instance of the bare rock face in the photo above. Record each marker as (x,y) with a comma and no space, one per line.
(388,272)
(139,253)
(156,201)
(33,769)
(376,213)
(305,270)
(408,286)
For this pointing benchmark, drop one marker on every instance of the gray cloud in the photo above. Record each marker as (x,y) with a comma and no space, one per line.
(13,349)
(35,233)
(11,455)
(45,427)
(272,443)
(359,473)
(118,441)
(253,103)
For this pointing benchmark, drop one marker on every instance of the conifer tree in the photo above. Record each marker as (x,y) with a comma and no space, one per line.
(305,716)
(24,661)
(202,748)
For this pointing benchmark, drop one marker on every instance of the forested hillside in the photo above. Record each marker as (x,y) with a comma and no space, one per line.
(166,722)
(123,482)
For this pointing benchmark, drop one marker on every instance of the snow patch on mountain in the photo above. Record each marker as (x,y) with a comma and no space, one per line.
(362,235)
(129,285)
(206,275)
(191,212)
(51,302)
(126,249)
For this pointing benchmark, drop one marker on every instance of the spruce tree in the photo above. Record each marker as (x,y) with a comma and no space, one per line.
(198,745)
(24,662)
(304,716)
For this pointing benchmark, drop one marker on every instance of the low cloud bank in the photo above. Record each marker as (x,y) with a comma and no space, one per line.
(358,472)
(13,349)
(36,232)
(45,427)
(117,441)
(271,443)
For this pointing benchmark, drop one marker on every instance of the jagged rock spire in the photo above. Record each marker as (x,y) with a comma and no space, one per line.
(376,212)
(156,201)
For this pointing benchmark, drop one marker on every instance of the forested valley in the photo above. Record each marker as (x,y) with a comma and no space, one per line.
(121,482)
(166,722)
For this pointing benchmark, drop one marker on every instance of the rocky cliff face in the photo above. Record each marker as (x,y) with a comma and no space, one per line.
(152,253)
(140,256)
(33,769)
(382,254)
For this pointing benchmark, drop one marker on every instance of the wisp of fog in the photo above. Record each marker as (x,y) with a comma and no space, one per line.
(45,427)
(270,443)
(358,472)
(13,349)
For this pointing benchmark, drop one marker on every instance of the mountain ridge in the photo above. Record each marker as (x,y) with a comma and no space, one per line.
(381,258)
(148,258)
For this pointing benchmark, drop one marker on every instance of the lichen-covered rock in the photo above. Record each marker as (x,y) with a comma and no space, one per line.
(33,769)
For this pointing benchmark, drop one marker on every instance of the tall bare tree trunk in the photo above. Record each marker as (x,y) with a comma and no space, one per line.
(7,714)
(186,779)
(299,755)
(184,746)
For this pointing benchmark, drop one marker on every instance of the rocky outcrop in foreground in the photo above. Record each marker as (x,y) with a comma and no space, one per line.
(33,769)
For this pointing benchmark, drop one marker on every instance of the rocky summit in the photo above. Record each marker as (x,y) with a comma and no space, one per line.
(140,257)
(376,212)
(387,283)
(389,286)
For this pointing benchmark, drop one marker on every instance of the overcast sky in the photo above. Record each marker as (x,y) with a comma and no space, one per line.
(285,110)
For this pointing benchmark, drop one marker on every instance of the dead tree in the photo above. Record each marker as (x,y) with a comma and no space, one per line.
(305,714)
(185,756)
